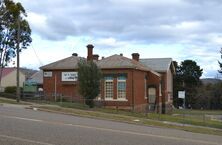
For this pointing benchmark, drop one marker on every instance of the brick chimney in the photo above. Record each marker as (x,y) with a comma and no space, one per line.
(74,54)
(90,52)
(95,57)
(136,56)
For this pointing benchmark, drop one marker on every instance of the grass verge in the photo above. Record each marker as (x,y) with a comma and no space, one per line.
(152,119)
(12,101)
(190,117)
(133,119)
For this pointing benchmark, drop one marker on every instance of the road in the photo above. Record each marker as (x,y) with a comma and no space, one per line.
(20,126)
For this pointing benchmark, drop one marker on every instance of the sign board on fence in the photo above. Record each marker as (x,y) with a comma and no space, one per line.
(69,76)
(181,94)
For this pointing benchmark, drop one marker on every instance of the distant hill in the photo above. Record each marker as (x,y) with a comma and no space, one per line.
(210,81)
(28,72)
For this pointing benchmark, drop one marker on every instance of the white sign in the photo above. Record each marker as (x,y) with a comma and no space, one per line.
(47,74)
(69,76)
(181,94)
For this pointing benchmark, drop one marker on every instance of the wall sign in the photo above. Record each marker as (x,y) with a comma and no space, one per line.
(69,76)
(47,74)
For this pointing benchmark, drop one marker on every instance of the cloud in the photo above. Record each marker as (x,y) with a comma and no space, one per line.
(146,20)
(193,25)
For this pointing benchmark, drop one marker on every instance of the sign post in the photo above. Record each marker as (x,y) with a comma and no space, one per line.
(181,94)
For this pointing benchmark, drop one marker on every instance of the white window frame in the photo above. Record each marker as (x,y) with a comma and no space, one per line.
(120,98)
(105,97)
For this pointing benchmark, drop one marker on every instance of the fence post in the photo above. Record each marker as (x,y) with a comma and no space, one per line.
(204,119)
(61,99)
(117,106)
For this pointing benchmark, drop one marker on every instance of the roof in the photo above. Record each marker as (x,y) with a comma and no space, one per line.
(111,62)
(118,61)
(6,71)
(157,64)
(37,77)
(67,63)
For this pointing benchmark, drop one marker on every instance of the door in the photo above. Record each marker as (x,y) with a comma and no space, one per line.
(152,98)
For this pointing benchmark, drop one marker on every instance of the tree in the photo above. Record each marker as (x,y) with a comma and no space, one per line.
(177,86)
(211,96)
(220,63)
(187,78)
(89,81)
(12,16)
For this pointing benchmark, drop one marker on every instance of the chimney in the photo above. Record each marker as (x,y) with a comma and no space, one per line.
(136,56)
(96,57)
(74,54)
(90,52)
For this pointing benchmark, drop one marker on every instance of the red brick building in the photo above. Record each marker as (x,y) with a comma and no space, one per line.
(126,83)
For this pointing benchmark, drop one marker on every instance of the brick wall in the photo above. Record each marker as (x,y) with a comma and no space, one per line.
(54,84)
(134,97)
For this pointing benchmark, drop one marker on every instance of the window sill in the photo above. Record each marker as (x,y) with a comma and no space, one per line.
(122,100)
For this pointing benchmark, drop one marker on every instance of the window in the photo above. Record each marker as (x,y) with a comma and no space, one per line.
(145,94)
(160,89)
(108,88)
(121,87)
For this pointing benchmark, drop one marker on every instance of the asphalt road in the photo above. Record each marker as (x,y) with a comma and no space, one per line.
(19,126)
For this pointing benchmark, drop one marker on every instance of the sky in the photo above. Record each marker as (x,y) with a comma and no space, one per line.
(180,29)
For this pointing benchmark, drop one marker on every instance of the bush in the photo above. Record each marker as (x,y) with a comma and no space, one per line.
(89,75)
(11,89)
(58,99)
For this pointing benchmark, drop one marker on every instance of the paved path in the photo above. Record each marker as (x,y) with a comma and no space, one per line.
(19,126)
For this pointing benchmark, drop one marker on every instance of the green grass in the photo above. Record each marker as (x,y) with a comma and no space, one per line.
(192,117)
(196,117)
(12,101)
(72,105)
(122,116)
(197,112)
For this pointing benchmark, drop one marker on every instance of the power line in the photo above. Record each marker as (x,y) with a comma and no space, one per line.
(40,62)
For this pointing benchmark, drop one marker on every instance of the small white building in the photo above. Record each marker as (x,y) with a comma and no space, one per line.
(8,78)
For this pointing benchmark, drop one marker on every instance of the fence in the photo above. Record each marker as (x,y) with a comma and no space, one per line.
(181,116)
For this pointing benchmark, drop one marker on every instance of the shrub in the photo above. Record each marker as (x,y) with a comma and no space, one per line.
(11,89)
(89,81)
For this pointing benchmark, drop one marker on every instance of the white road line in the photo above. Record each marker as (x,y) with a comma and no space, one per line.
(23,140)
(115,130)
(28,119)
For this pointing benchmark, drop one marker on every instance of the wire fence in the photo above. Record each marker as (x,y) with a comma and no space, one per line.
(206,118)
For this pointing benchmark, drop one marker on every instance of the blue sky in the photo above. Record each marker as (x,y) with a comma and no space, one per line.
(180,29)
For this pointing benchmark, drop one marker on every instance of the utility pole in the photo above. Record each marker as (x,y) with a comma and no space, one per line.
(18,66)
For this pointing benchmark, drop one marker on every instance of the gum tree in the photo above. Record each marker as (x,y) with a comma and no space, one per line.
(12,22)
